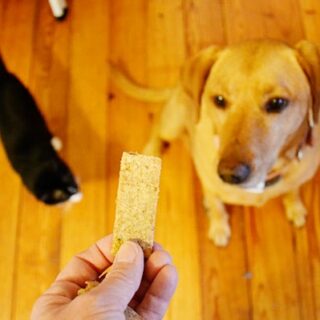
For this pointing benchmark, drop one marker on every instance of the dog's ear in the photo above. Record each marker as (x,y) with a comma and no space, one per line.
(196,71)
(309,59)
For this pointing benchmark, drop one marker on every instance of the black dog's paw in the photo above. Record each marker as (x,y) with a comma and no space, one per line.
(55,184)
(60,195)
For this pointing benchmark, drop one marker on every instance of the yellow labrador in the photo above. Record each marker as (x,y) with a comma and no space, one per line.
(250,112)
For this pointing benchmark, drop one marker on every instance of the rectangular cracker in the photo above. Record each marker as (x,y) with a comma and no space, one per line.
(137,199)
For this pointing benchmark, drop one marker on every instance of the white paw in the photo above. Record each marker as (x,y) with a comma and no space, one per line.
(297,214)
(56,143)
(219,233)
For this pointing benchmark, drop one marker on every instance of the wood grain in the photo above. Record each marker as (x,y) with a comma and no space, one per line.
(14,27)
(269,271)
(38,247)
(309,240)
(86,125)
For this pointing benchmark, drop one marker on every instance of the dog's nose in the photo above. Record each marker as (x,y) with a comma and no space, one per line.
(233,173)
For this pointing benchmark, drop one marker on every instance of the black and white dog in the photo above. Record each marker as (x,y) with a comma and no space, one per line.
(28,144)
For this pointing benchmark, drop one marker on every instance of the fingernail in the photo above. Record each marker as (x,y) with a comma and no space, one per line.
(127,252)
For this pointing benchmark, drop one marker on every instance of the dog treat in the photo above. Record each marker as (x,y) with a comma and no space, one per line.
(136,207)
(137,199)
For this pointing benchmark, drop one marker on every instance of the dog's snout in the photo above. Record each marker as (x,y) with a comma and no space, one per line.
(233,173)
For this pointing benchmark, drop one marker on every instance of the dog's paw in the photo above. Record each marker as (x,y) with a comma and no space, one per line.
(296,213)
(56,144)
(54,183)
(219,233)
(61,195)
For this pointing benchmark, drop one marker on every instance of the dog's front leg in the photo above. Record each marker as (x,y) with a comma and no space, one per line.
(295,209)
(219,228)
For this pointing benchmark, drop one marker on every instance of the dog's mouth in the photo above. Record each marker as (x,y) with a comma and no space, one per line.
(274,176)
(261,186)
(279,168)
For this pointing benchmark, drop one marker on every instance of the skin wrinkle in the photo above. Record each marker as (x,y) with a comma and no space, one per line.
(89,264)
(159,258)
(56,288)
(139,295)
(154,313)
(155,308)
(153,300)
(86,271)
(164,259)
(64,298)
(96,245)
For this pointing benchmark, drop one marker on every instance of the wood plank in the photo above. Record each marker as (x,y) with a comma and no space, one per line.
(2,11)
(166,52)
(281,23)
(155,61)
(270,270)
(165,43)
(177,231)
(14,27)
(306,249)
(309,239)
(243,20)
(310,11)
(18,24)
(263,19)
(9,206)
(314,240)
(271,263)
(204,24)
(87,115)
(128,120)
(225,274)
(221,269)
(39,228)
(38,246)
(271,260)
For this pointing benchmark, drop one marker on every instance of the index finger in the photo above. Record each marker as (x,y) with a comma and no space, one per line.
(89,263)
(85,266)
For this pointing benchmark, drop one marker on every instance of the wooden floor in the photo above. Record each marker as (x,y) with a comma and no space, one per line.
(270,270)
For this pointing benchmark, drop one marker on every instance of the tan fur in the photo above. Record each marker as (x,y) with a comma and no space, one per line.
(247,75)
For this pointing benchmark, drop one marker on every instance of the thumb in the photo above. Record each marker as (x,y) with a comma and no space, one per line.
(120,285)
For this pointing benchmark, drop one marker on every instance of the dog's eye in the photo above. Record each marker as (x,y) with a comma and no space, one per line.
(220,101)
(276,105)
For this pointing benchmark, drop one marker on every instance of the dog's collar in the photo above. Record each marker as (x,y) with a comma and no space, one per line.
(299,152)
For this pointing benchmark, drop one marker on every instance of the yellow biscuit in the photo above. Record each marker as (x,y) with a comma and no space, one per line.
(137,199)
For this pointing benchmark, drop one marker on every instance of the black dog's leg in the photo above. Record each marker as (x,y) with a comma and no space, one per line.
(27,142)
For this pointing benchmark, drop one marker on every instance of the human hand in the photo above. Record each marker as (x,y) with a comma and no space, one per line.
(146,288)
